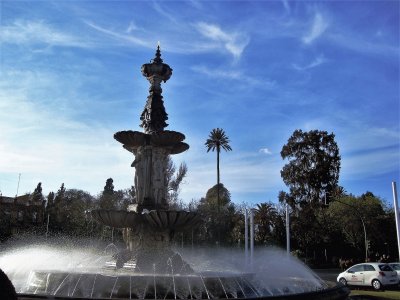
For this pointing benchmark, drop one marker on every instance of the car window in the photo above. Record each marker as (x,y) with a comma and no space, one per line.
(396,267)
(385,268)
(358,268)
(369,268)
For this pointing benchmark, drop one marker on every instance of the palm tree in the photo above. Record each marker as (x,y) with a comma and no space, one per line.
(265,216)
(217,140)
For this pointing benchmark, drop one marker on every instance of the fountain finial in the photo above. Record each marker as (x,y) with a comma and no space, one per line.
(154,115)
(157,59)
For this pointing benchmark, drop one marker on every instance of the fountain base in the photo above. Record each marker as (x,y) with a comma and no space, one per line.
(125,285)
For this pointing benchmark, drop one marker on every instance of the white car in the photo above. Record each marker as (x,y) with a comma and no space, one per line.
(396,266)
(376,275)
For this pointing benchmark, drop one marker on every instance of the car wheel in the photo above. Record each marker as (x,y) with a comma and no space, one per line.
(376,284)
(343,281)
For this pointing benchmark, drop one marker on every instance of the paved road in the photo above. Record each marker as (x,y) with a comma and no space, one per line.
(328,274)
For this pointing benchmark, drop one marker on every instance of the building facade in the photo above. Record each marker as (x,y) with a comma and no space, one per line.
(20,214)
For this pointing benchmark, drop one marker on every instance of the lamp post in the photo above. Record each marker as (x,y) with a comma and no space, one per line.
(363,224)
(396,214)
(287,230)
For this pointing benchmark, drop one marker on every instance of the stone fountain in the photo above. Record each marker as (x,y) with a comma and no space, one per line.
(148,268)
(149,225)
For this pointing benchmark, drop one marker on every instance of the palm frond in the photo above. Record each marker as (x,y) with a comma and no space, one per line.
(218,139)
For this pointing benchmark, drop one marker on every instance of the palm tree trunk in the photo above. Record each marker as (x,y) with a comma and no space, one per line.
(218,204)
(218,209)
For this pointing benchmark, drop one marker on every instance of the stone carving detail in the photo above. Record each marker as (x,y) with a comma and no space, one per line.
(150,165)
(159,185)
(154,115)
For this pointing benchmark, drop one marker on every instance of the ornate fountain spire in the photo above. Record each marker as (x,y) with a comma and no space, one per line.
(154,115)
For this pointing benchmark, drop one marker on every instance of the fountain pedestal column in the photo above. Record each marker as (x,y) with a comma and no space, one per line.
(150,166)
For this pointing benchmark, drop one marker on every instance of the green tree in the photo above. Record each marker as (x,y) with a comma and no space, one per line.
(265,218)
(218,196)
(313,167)
(108,198)
(73,219)
(174,179)
(214,221)
(350,212)
(55,211)
(50,199)
(217,139)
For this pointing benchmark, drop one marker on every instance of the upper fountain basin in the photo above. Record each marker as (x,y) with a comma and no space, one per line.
(134,139)
(159,219)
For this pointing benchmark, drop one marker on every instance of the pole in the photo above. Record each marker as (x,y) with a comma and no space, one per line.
(47,226)
(396,214)
(365,240)
(19,179)
(251,238)
(246,238)
(287,230)
(192,238)
(364,228)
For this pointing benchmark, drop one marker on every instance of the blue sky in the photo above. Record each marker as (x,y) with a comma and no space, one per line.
(70,77)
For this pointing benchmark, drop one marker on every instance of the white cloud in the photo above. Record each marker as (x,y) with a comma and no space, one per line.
(132,27)
(38,32)
(265,151)
(234,42)
(318,27)
(319,60)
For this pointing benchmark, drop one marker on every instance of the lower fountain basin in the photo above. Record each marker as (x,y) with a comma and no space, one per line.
(125,285)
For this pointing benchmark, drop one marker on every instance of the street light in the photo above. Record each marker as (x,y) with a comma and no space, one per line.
(363,224)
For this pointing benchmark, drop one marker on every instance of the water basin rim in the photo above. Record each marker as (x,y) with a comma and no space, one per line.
(337,292)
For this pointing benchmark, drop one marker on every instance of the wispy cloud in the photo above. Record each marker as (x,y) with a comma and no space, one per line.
(39,140)
(362,165)
(25,32)
(357,44)
(124,37)
(163,12)
(286,6)
(234,75)
(131,27)
(318,27)
(265,151)
(319,60)
(234,42)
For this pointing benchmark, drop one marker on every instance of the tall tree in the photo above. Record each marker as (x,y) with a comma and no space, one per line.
(313,167)
(37,195)
(60,194)
(217,140)
(109,187)
(108,198)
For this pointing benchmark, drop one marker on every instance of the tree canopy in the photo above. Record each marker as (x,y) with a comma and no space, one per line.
(313,167)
